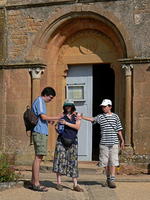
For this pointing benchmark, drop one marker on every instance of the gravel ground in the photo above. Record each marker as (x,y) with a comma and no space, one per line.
(128,188)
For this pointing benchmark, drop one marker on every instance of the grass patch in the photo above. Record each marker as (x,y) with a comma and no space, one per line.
(7,171)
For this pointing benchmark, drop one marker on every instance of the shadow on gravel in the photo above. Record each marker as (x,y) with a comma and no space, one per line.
(48,184)
(91,183)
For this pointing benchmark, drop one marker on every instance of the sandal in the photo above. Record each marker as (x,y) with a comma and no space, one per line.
(30,186)
(39,188)
(59,187)
(77,188)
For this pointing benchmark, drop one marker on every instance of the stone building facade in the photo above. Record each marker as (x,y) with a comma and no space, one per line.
(41,39)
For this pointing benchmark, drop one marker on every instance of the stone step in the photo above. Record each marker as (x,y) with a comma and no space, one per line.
(84,167)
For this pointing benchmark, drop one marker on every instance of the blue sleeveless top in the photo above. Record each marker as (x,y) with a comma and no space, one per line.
(69,132)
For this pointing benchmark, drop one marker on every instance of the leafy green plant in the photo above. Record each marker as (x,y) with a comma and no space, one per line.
(7,172)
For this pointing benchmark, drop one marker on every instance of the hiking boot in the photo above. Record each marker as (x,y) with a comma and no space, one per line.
(111,184)
(77,188)
(59,187)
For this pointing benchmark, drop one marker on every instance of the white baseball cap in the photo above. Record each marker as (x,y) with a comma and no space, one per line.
(106,102)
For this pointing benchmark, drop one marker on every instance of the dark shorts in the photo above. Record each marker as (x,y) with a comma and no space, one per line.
(40,143)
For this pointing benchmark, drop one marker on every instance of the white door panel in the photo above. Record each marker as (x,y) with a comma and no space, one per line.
(79,84)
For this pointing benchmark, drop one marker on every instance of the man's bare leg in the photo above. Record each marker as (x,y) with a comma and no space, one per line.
(36,170)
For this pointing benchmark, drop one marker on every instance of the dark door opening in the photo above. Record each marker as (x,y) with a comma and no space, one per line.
(103,88)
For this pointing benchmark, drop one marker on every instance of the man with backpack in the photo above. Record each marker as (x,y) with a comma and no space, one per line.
(40,134)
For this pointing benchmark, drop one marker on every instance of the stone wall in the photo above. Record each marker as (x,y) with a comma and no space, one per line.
(2,112)
(26,19)
(17,84)
(141,19)
(2,41)
(23,24)
(2,91)
(141,111)
(22,27)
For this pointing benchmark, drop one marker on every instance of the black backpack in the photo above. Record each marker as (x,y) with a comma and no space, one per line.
(30,119)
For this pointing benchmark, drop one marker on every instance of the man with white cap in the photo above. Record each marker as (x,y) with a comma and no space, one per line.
(111,128)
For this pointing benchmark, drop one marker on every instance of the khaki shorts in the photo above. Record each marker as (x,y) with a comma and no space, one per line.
(40,143)
(109,155)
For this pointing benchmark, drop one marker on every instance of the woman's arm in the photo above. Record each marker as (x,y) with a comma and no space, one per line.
(75,126)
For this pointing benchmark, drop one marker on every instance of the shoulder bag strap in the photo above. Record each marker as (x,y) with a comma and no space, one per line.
(109,122)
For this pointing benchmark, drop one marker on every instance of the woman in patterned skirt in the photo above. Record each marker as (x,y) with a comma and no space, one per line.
(66,158)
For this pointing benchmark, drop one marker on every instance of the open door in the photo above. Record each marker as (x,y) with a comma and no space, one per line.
(79,89)
(103,88)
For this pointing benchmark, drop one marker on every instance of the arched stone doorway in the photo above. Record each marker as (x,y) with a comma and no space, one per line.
(95,48)
(81,40)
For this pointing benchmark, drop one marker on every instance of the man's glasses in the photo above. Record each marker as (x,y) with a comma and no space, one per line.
(50,96)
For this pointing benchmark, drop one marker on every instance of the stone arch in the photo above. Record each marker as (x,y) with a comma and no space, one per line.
(55,45)
(62,16)
(90,46)
(50,26)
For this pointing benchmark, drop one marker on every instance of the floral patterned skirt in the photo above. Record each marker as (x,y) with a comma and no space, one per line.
(66,160)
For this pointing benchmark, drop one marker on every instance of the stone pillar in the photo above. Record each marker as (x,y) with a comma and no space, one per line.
(128,102)
(36,76)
